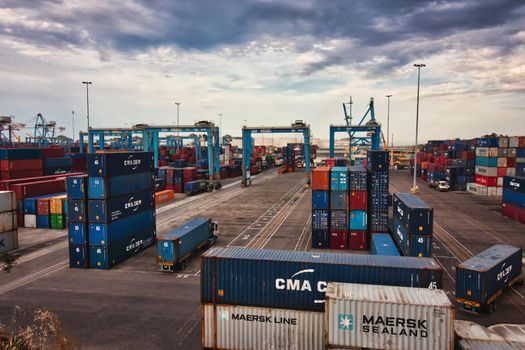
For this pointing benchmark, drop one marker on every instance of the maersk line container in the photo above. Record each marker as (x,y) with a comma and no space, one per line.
(111,164)
(320,220)
(77,187)
(320,199)
(177,245)
(482,278)
(105,234)
(414,214)
(105,257)
(297,280)
(78,256)
(120,207)
(78,233)
(411,244)
(387,317)
(109,187)
(382,244)
(233,327)
(76,209)
(339,178)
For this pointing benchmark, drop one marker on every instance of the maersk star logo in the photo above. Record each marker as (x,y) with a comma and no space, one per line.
(345,322)
(223,316)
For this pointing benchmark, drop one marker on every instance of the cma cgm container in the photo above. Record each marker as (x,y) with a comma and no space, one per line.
(78,256)
(414,214)
(514,183)
(120,207)
(297,280)
(382,244)
(111,164)
(105,234)
(108,187)
(174,247)
(482,279)
(227,327)
(387,317)
(77,187)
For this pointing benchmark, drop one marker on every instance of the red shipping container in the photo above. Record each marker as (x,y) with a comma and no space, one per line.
(490,181)
(338,239)
(513,212)
(330,162)
(521,141)
(79,164)
(20,174)
(178,188)
(17,165)
(189,174)
(40,188)
(53,152)
(502,171)
(511,162)
(358,200)
(357,240)
(321,178)
(5,185)
(42,206)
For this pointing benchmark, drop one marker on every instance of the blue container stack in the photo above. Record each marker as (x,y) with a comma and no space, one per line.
(119,214)
(412,225)
(338,225)
(77,224)
(377,168)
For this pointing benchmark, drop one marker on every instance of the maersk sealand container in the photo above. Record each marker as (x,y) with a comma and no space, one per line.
(111,164)
(120,207)
(109,187)
(298,280)
(414,214)
(105,234)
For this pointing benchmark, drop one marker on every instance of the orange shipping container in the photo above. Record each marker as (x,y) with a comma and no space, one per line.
(321,178)
(164,196)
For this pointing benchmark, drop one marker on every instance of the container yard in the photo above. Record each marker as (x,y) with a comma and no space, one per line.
(180,175)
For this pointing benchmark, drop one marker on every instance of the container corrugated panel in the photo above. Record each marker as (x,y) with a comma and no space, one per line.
(386,317)
(8,241)
(7,201)
(382,244)
(57,221)
(77,187)
(105,234)
(241,327)
(414,214)
(111,164)
(29,220)
(77,210)
(475,344)
(78,256)
(320,199)
(514,183)
(515,198)
(520,169)
(108,256)
(320,219)
(487,161)
(411,244)
(78,233)
(105,188)
(42,221)
(321,178)
(320,239)
(339,179)
(358,220)
(8,221)
(358,178)
(61,162)
(338,220)
(339,200)
(377,160)
(120,207)
(482,276)
(20,153)
(297,280)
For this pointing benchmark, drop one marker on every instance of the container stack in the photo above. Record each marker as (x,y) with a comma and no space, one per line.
(377,168)
(412,225)
(8,222)
(121,206)
(513,199)
(320,207)
(358,208)
(339,216)
(77,190)
(58,212)
(16,163)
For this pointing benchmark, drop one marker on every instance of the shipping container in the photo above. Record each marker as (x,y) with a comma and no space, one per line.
(487,161)
(514,183)
(61,162)
(57,204)
(77,187)
(358,200)
(475,344)
(482,278)
(105,257)
(7,201)
(8,221)
(116,208)
(377,160)
(320,239)
(109,187)
(57,221)
(338,239)
(77,210)
(358,178)
(78,256)
(387,317)
(7,184)
(477,189)
(197,186)
(409,244)
(233,327)
(20,165)
(174,247)
(339,220)
(43,221)
(321,178)
(513,212)
(382,244)
(358,240)
(20,153)
(486,171)
(413,213)
(78,233)
(358,220)
(339,200)
(29,220)
(8,241)
(38,188)
(297,280)
(101,234)
(19,174)
(320,199)
(42,206)
(339,179)
(112,164)
(320,220)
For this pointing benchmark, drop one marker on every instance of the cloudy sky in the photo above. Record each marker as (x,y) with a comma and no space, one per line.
(269,62)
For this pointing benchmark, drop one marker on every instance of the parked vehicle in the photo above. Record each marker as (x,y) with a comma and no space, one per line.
(443,186)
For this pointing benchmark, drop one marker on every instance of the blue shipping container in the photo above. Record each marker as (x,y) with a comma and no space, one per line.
(411,244)
(78,233)
(77,187)
(56,170)
(520,169)
(20,153)
(177,245)
(382,244)
(108,187)
(488,142)
(108,256)
(339,179)
(520,152)
(195,186)
(514,183)
(339,200)
(358,220)
(78,256)
(517,199)
(377,160)
(42,221)
(320,200)
(414,214)
(320,239)
(61,162)
(358,178)
(298,280)
(120,207)
(76,210)
(105,234)
(481,277)
(486,161)
(320,220)
(111,164)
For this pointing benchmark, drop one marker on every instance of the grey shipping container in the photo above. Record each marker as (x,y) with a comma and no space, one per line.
(338,220)
(8,241)
(320,219)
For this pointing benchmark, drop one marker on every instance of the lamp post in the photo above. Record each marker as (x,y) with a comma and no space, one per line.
(388,130)
(220,128)
(178,115)
(73,122)
(87,83)
(418,66)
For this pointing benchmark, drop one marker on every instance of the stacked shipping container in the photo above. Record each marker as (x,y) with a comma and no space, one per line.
(513,199)
(77,190)
(378,195)
(8,222)
(358,208)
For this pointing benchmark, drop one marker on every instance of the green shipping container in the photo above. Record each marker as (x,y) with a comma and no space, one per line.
(58,221)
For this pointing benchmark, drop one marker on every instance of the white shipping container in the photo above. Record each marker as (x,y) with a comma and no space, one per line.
(503,142)
(493,191)
(477,189)
(244,327)
(493,152)
(499,191)
(511,172)
(514,141)
(502,162)
(500,181)
(29,220)
(482,151)
(8,221)
(7,201)
(520,160)
(387,317)
(486,171)
(8,241)
(503,152)
(511,153)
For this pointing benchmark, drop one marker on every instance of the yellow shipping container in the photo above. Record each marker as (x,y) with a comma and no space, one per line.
(56,204)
